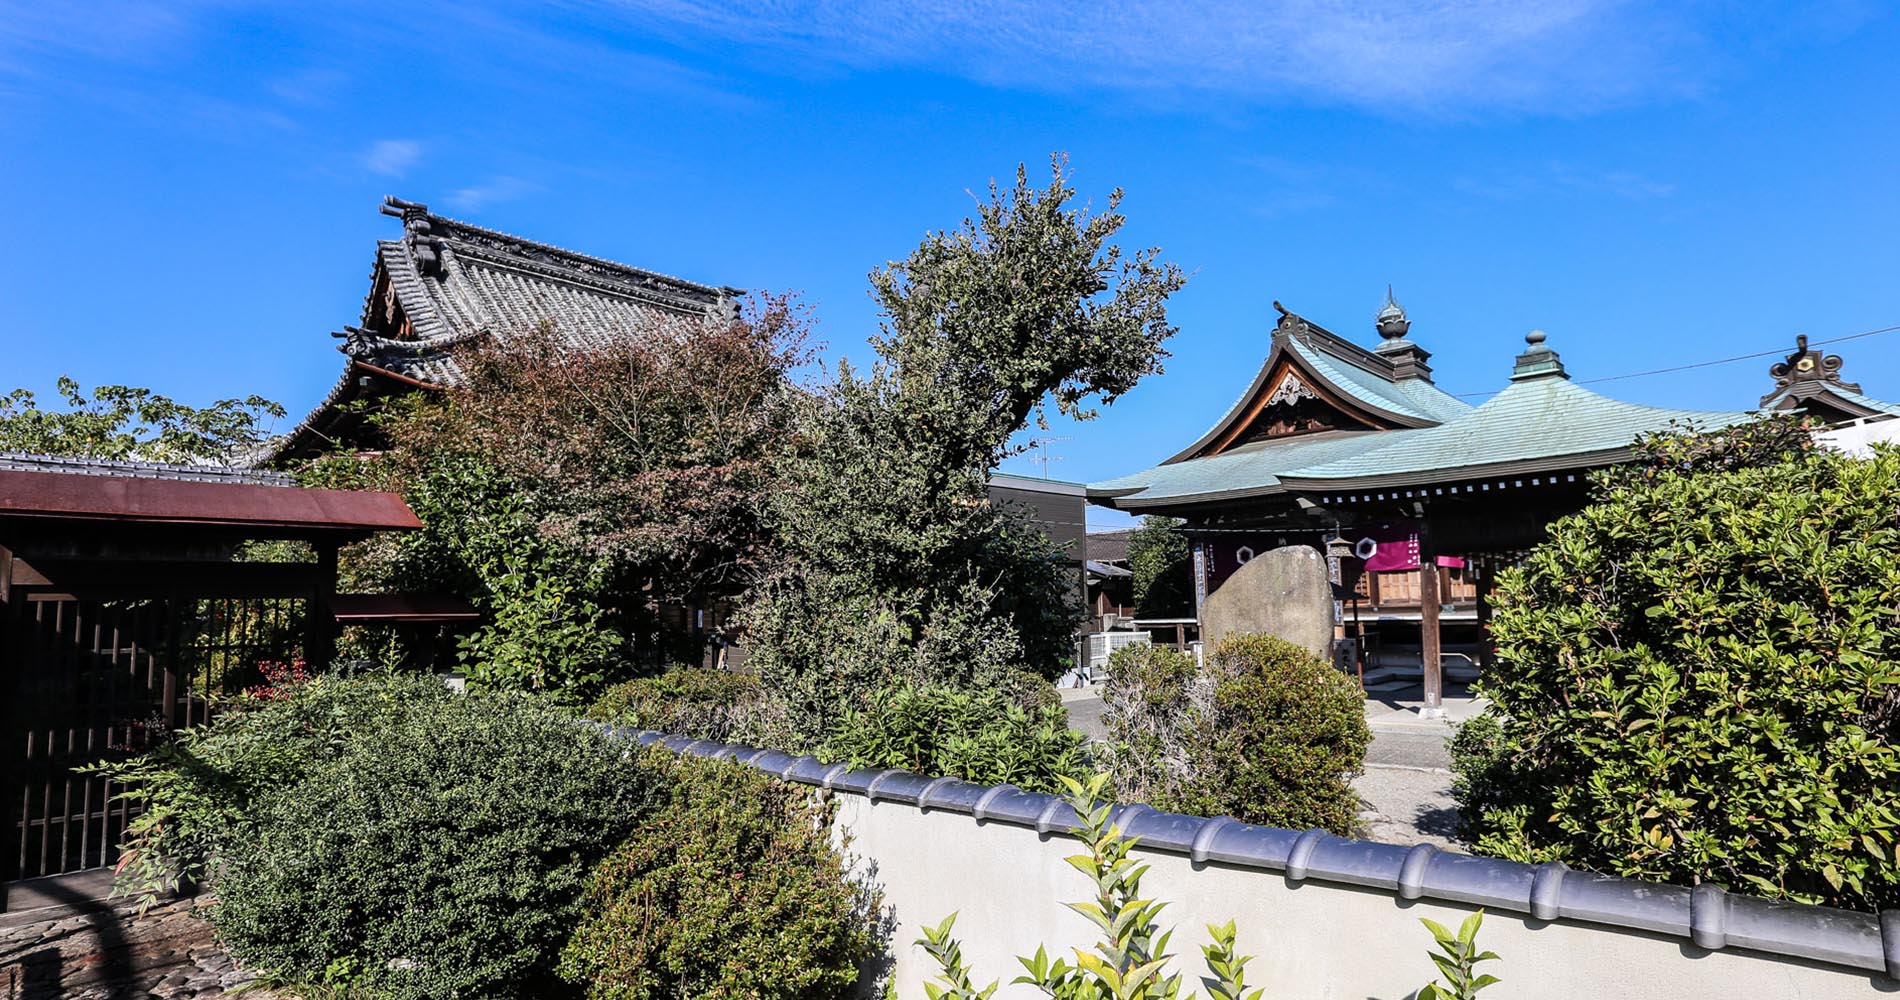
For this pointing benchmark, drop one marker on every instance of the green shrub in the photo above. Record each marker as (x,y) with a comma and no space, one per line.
(983,737)
(204,789)
(1696,681)
(1153,707)
(704,704)
(436,848)
(1268,734)
(730,890)
(1480,769)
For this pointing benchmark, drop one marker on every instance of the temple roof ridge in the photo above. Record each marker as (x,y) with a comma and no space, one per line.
(420,223)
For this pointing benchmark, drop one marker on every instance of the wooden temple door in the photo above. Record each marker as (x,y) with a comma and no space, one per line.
(83,680)
(91,680)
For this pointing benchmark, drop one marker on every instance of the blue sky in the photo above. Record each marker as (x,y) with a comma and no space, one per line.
(190,191)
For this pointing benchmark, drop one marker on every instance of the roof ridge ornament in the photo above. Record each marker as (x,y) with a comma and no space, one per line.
(1391,321)
(418,232)
(1539,360)
(1807,367)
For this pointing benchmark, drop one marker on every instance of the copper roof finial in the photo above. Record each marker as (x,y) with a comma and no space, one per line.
(1391,321)
(1538,359)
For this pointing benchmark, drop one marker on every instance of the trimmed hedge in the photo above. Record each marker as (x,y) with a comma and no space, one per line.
(983,737)
(729,890)
(1698,679)
(436,847)
(1268,733)
(721,705)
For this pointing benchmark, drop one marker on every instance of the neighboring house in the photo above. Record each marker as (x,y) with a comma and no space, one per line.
(446,283)
(1360,454)
(1111,583)
(1059,508)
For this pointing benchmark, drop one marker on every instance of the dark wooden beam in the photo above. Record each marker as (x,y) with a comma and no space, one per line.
(1429,643)
(320,646)
(113,580)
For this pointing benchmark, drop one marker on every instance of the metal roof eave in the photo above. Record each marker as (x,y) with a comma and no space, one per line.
(1577,461)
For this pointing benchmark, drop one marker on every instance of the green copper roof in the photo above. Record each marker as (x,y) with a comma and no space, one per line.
(1538,424)
(1415,398)
(1247,470)
(1542,422)
(1862,399)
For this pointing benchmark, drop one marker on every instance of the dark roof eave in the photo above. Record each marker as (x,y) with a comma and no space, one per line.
(57,496)
(1579,462)
(1190,499)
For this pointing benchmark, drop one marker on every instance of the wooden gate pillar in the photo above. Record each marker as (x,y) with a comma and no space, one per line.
(1429,643)
(320,628)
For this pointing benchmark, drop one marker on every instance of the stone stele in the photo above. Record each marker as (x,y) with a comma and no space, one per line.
(1284,592)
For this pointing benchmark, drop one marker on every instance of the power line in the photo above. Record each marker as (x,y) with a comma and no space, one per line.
(1778,352)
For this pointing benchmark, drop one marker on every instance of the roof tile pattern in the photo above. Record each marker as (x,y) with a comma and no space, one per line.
(474,283)
(1415,398)
(13,461)
(1546,420)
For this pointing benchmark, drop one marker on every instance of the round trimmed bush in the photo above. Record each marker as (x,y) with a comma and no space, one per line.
(985,737)
(704,704)
(1698,679)
(1268,734)
(730,890)
(438,848)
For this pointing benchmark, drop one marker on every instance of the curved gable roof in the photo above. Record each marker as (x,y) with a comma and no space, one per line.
(1360,384)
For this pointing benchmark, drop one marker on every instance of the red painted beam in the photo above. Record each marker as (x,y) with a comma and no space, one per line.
(168,501)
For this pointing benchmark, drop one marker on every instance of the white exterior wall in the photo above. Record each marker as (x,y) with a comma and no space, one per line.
(1312,941)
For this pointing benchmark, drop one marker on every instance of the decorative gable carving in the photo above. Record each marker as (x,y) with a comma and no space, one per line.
(1294,405)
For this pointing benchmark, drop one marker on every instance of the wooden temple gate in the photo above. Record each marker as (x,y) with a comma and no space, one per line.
(102,679)
(128,607)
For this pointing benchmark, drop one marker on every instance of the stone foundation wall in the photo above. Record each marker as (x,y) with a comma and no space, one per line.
(108,951)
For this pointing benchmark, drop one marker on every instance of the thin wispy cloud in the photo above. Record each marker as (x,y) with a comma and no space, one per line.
(492,191)
(1405,56)
(1556,179)
(392,157)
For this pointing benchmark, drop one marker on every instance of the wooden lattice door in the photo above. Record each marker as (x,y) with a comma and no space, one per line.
(92,680)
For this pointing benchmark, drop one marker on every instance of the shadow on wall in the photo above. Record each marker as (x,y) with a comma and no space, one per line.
(99,955)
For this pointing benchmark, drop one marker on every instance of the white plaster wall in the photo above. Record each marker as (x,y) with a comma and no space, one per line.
(1315,941)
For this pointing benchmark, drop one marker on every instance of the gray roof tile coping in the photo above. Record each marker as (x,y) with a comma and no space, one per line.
(14,461)
(1708,917)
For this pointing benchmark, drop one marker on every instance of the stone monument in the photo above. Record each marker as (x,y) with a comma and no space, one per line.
(1284,592)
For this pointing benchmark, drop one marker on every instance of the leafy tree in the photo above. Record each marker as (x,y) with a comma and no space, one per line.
(1158,556)
(1695,678)
(897,568)
(123,423)
(571,493)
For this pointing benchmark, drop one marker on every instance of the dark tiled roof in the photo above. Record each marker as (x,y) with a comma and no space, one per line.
(1109,546)
(19,462)
(457,282)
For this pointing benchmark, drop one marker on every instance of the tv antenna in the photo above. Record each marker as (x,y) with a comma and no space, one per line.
(1042,456)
